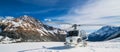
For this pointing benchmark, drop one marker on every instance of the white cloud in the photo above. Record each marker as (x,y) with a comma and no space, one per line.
(95,12)
(101,8)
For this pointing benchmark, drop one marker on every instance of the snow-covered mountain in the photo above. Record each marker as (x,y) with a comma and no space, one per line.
(27,28)
(105,33)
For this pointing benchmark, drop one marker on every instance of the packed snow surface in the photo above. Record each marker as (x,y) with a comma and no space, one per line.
(59,47)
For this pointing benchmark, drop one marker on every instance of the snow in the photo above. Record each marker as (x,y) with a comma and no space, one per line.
(41,31)
(1,37)
(5,40)
(16,24)
(59,47)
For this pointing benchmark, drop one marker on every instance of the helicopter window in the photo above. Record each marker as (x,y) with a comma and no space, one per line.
(73,33)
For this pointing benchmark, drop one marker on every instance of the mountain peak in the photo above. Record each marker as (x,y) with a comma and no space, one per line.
(26,17)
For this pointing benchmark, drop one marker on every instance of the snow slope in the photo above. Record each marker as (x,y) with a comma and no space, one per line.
(59,47)
(105,33)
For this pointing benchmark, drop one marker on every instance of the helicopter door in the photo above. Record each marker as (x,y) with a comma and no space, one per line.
(83,35)
(73,33)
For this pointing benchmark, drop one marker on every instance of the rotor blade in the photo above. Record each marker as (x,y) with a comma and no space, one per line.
(59,23)
(67,28)
(92,25)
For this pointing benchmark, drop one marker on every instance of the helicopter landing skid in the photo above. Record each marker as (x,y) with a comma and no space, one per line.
(74,45)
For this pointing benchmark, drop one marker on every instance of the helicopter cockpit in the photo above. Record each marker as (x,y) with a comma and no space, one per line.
(73,33)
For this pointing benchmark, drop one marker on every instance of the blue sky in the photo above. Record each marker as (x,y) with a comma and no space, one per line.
(72,11)
(40,9)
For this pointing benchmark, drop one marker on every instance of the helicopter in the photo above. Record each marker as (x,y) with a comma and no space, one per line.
(76,37)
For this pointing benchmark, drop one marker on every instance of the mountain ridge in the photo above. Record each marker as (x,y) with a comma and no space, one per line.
(105,33)
(27,28)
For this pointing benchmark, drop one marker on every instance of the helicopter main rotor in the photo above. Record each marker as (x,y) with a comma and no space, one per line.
(74,26)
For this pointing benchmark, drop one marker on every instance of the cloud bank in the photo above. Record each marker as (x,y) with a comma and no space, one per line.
(95,12)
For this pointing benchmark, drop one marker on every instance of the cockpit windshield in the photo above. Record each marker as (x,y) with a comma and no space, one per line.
(73,33)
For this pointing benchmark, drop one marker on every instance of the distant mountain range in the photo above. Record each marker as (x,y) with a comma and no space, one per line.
(26,28)
(105,33)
